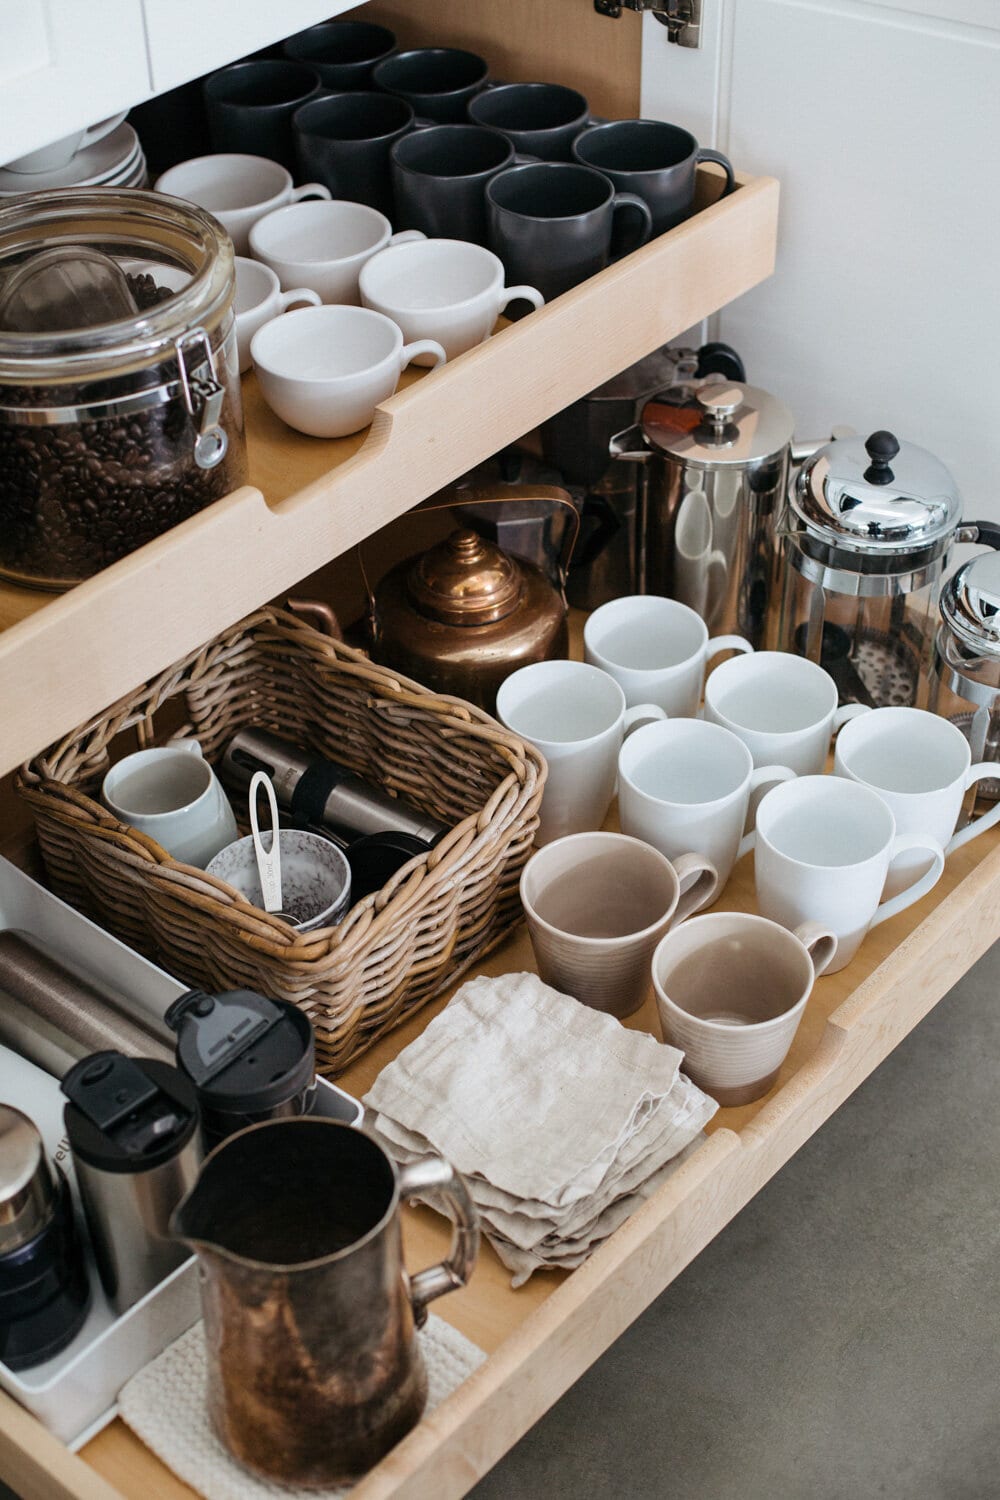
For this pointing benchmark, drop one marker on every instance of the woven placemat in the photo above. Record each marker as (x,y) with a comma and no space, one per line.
(165,1406)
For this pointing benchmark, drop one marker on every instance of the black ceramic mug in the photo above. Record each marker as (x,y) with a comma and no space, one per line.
(539,119)
(439,176)
(343,53)
(553,224)
(657,161)
(437,81)
(344,140)
(250,107)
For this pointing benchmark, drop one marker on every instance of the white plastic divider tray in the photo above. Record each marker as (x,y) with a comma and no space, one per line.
(75,1393)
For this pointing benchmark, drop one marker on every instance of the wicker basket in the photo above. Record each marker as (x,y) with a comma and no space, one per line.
(396,948)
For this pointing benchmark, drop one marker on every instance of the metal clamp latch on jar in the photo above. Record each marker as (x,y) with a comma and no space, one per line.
(203,396)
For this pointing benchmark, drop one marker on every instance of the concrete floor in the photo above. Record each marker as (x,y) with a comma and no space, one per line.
(841,1338)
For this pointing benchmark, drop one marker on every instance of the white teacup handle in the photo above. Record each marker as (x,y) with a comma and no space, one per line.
(982,771)
(847,712)
(727,643)
(699,882)
(310,190)
(300,294)
(529,293)
(422,346)
(404,236)
(819,942)
(640,714)
(761,782)
(920,887)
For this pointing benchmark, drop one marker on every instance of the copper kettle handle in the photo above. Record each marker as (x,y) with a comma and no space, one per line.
(320,615)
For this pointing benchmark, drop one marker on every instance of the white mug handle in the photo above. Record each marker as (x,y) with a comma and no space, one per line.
(193,747)
(920,887)
(404,236)
(640,714)
(422,346)
(847,712)
(763,778)
(699,884)
(727,643)
(819,942)
(530,294)
(310,190)
(300,294)
(984,770)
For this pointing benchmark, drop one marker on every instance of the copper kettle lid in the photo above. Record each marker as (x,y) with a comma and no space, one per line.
(465,580)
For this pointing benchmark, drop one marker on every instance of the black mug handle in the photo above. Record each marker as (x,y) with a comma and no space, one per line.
(705,153)
(631,202)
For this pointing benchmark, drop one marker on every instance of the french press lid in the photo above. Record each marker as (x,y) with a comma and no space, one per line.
(970,604)
(874,498)
(465,580)
(721,424)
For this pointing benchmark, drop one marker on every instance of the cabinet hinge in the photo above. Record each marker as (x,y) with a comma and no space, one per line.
(682,18)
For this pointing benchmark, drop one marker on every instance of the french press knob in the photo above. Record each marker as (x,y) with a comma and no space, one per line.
(720,403)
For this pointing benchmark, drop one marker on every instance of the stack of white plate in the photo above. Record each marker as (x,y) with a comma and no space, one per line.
(115,161)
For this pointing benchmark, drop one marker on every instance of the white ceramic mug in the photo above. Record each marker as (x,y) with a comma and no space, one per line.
(921,765)
(60,153)
(324,245)
(656,649)
(576,716)
(822,850)
(686,785)
(325,369)
(238,190)
(449,290)
(596,906)
(258,299)
(172,794)
(731,990)
(783,708)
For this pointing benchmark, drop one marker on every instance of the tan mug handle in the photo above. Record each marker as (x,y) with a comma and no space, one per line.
(433,1178)
(819,942)
(699,882)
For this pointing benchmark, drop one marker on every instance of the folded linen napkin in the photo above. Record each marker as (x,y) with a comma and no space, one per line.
(561,1120)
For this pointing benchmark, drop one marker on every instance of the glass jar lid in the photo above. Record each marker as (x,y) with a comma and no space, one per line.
(970,604)
(720,424)
(875,496)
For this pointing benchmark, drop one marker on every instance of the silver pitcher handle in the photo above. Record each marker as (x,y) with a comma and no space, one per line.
(434,1178)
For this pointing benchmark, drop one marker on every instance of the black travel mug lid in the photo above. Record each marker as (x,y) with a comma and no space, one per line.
(244,1054)
(127,1114)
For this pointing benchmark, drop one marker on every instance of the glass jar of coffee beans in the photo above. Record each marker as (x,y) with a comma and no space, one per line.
(112,431)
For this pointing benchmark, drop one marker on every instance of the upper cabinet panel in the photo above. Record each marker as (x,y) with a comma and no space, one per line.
(189,37)
(64,64)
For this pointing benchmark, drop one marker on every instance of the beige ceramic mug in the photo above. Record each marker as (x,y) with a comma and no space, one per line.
(731,990)
(597,904)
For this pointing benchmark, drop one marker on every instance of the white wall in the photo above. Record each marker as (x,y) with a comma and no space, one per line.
(882,123)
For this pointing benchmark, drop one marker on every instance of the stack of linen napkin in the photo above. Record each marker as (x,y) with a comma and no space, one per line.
(561,1120)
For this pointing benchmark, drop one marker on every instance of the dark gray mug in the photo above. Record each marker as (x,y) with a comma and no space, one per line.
(437,81)
(539,119)
(344,140)
(250,107)
(439,176)
(553,224)
(657,161)
(343,53)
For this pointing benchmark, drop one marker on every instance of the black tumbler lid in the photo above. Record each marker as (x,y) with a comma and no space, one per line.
(244,1054)
(127,1114)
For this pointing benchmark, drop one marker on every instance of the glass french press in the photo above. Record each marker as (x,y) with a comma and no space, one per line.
(965,669)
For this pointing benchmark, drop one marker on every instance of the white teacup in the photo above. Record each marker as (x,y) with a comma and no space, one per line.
(325,369)
(656,649)
(324,245)
(449,290)
(237,189)
(731,990)
(60,153)
(597,904)
(259,298)
(921,766)
(783,708)
(172,794)
(576,716)
(823,846)
(687,785)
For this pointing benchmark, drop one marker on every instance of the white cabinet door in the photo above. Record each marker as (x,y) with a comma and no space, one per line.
(882,122)
(64,64)
(191,37)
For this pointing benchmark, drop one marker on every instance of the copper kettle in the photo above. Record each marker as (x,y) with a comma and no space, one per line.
(465,614)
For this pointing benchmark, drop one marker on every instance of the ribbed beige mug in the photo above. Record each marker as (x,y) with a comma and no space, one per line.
(597,904)
(731,989)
